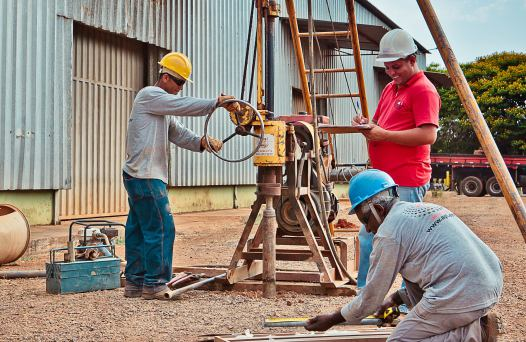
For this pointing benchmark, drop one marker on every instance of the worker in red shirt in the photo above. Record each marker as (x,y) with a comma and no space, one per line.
(403,128)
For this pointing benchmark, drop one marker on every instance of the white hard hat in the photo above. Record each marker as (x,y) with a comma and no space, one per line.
(394,45)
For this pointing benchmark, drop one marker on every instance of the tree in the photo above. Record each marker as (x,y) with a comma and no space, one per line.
(498,82)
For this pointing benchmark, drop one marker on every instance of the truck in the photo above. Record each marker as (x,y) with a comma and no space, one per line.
(471,174)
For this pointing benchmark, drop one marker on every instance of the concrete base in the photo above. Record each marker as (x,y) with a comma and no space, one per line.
(204,198)
(37,206)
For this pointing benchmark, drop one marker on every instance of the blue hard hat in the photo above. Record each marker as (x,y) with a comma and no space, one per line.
(366,184)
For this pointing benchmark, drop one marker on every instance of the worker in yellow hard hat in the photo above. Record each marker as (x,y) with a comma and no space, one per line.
(150,230)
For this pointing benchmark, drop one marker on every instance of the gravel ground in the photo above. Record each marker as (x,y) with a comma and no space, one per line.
(28,313)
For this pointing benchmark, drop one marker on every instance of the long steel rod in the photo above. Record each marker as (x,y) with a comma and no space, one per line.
(269,58)
(477,120)
(177,292)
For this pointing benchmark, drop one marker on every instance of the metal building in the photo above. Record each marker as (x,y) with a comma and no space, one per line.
(69,70)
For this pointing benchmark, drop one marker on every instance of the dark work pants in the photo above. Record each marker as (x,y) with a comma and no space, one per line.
(150,232)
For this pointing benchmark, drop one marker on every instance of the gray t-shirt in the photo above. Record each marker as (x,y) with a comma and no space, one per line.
(152,125)
(431,247)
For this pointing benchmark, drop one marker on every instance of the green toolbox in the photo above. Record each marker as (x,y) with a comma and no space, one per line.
(91,266)
(83,276)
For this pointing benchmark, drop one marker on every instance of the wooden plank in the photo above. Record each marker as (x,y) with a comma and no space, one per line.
(304,288)
(208,271)
(327,34)
(331,129)
(245,272)
(284,256)
(357,334)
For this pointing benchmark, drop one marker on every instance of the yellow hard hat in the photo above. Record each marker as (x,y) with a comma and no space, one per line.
(177,65)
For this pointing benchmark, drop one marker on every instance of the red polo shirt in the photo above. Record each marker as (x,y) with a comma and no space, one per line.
(400,108)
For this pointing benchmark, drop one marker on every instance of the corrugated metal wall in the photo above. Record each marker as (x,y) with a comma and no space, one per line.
(203,30)
(213,34)
(36,99)
(35,96)
(108,71)
(149,21)
(336,11)
(35,68)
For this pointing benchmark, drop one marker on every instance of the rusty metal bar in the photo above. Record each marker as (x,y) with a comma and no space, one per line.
(357,57)
(333,96)
(269,56)
(320,71)
(299,54)
(475,116)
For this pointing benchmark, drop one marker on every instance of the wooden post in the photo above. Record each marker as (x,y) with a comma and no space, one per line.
(477,120)
(269,227)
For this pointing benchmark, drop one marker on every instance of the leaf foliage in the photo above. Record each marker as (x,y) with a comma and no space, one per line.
(498,82)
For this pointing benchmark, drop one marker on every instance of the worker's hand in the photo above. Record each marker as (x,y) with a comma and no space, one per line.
(359,120)
(231,107)
(376,133)
(324,322)
(390,301)
(215,144)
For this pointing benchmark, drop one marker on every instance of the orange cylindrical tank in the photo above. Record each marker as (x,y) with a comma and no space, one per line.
(14,233)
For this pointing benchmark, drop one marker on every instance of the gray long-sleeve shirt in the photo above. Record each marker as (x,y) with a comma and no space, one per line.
(152,126)
(431,247)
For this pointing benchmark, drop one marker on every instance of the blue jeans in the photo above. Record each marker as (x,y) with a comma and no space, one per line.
(150,232)
(407,194)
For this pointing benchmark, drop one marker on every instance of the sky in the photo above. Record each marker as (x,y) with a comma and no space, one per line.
(473,28)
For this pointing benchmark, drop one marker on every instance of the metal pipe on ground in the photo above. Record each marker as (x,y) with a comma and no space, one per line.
(480,127)
(22,274)
(173,294)
(14,234)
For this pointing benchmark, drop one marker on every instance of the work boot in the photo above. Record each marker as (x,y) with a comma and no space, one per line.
(132,291)
(489,327)
(155,292)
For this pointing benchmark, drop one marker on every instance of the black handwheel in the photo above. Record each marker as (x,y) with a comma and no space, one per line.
(242,128)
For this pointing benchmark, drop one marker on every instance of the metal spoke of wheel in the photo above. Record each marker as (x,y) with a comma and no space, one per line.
(229,137)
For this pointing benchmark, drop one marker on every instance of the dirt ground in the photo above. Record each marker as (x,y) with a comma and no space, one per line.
(28,313)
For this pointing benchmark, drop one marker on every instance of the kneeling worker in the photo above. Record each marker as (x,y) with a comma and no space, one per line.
(452,278)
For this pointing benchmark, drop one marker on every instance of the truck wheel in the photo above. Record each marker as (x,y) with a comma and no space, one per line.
(472,186)
(493,187)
